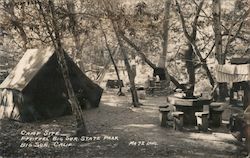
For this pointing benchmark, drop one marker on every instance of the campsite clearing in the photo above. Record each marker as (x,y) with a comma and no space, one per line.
(116,130)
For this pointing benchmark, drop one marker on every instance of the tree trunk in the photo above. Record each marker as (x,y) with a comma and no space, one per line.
(76,109)
(220,56)
(113,62)
(162,60)
(131,76)
(217,31)
(120,93)
(189,56)
(76,36)
(73,26)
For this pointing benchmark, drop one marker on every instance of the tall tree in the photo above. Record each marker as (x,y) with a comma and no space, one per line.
(189,53)
(131,74)
(220,56)
(73,25)
(193,48)
(120,93)
(166,21)
(54,33)
(163,56)
(115,15)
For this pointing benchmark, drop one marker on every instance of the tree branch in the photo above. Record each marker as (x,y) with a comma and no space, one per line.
(211,50)
(182,21)
(231,39)
(138,50)
(194,26)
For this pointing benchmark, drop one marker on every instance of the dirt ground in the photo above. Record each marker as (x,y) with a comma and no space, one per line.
(117,130)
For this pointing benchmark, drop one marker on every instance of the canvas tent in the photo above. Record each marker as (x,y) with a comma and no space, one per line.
(233,73)
(35,89)
(238,74)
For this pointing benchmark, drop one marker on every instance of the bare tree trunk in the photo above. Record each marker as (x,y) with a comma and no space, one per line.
(113,62)
(131,76)
(120,93)
(76,109)
(217,31)
(73,25)
(162,60)
(189,56)
(220,56)
(75,33)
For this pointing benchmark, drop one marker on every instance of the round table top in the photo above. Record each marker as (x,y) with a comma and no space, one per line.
(187,101)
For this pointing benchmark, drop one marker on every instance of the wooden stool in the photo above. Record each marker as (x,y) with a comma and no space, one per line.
(216,113)
(164,116)
(178,120)
(202,120)
(216,117)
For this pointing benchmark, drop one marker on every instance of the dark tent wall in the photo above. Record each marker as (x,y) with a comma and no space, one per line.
(87,92)
(45,96)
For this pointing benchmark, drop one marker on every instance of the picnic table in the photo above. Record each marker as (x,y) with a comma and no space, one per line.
(189,106)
